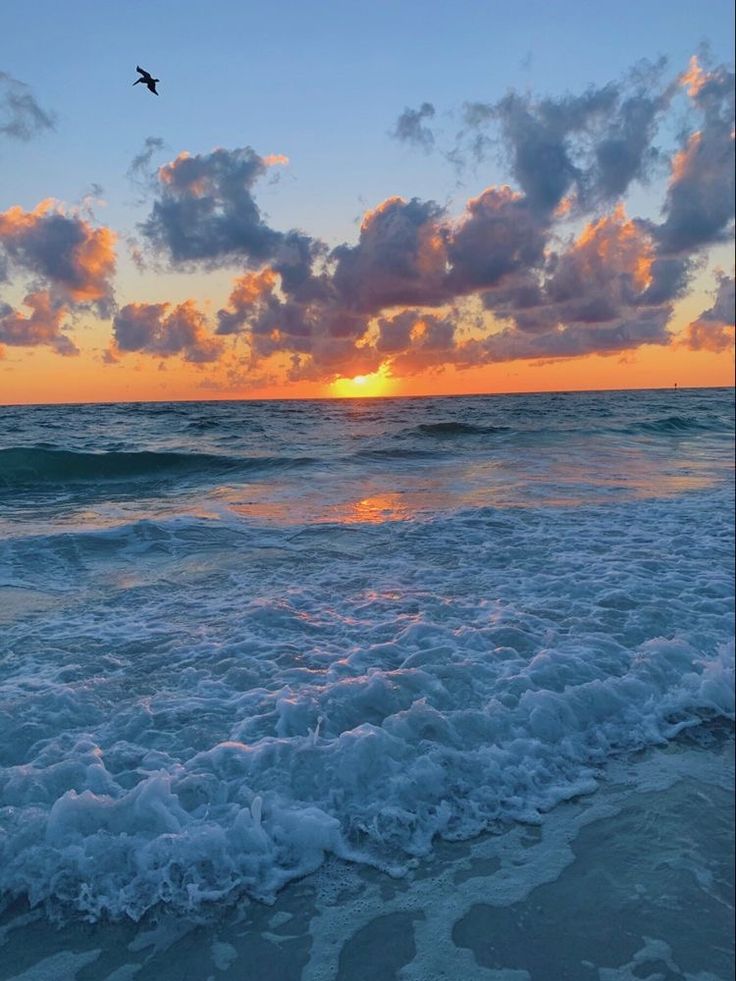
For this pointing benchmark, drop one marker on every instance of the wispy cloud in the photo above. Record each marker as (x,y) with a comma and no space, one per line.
(21,117)
(411,127)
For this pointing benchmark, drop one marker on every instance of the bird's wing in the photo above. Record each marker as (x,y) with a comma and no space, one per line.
(152,86)
(143,71)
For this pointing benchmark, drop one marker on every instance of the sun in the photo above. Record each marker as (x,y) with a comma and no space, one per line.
(363,386)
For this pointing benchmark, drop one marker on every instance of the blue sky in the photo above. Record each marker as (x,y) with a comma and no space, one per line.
(322,83)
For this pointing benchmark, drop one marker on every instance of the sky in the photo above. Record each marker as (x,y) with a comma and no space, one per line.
(384,198)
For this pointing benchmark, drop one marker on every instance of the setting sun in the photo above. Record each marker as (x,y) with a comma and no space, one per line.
(363,386)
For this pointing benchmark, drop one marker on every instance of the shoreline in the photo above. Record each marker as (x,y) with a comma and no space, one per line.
(480,909)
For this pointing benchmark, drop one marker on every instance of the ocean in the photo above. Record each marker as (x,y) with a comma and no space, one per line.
(362,689)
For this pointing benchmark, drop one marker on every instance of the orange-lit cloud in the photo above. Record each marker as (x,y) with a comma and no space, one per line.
(42,326)
(74,258)
(699,206)
(695,78)
(714,328)
(165,331)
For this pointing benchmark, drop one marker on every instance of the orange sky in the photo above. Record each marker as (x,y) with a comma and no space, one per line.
(44,377)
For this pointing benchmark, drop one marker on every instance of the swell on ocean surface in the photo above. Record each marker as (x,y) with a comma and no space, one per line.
(200,699)
(457,429)
(32,466)
(682,424)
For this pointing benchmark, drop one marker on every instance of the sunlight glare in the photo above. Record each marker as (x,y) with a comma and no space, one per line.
(362,386)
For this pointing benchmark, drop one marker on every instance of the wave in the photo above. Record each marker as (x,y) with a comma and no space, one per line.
(248,815)
(677,425)
(395,453)
(456,429)
(31,466)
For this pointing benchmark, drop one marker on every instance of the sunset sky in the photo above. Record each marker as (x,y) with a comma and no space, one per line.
(365,198)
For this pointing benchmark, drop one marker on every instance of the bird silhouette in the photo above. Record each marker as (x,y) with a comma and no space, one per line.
(147,79)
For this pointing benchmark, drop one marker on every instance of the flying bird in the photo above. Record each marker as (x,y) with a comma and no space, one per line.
(147,79)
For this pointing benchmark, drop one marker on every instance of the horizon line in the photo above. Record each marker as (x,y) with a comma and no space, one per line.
(372,398)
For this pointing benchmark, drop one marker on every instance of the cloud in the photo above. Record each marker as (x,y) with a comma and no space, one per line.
(320,335)
(498,235)
(699,207)
(593,145)
(714,328)
(205,212)
(537,136)
(75,260)
(417,341)
(502,280)
(596,296)
(21,117)
(41,327)
(250,295)
(603,285)
(165,331)
(410,127)
(400,258)
(139,171)
(68,265)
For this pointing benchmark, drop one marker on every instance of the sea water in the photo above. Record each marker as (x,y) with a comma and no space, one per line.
(396,666)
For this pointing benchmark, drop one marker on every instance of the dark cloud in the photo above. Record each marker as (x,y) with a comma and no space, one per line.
(75,260)
(410,127)
(251,295)
(294,260)
(205,212)
(21,117)
(538,138)
(68,265)
(571,340)
(41,327)
(165,331)
(722,311)
(417,341)
(320,335)
(600,294)
(591,146)
(498,235)
(400,258)
(699,208)
(608,265)
(624,151)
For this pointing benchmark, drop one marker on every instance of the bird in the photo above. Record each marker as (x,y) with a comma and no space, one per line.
(147,79)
